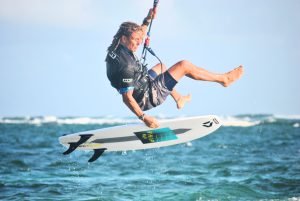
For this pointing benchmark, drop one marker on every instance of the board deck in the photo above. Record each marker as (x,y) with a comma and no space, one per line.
(139,136)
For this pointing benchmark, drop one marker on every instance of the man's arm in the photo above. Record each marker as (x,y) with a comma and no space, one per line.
(147,20)
(135,108)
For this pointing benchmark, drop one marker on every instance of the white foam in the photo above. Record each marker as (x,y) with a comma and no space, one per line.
(296,125)
(15,121)
(291,117)
(189,144)
(294,199)
(238,122)
(227,121)
(73,120)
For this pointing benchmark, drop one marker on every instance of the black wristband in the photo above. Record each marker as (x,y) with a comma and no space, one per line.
(146,22)
(142,117)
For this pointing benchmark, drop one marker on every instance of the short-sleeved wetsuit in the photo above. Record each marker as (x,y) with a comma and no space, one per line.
(126,73)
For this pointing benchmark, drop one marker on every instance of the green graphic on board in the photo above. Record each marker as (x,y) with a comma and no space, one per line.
(157,135)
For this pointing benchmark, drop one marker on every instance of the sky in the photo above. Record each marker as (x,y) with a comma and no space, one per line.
(52,55)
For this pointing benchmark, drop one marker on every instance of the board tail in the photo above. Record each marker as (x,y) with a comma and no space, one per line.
(83,138)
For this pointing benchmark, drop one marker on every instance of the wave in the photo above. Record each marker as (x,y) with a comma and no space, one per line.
(228,121)
(66,120)
(239,122)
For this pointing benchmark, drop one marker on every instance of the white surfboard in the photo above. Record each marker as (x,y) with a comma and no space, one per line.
(139,136)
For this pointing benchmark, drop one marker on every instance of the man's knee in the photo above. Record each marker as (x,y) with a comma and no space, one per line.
(184,63)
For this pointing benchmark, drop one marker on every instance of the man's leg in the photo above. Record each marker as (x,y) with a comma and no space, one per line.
(186,68)
(179,99)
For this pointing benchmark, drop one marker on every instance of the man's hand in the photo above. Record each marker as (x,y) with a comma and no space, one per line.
(151,14)
(135,108)
(151,122)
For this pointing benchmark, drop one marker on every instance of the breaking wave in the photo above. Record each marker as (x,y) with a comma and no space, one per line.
(228,121)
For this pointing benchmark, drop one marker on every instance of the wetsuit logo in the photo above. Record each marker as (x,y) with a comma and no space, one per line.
(127,80)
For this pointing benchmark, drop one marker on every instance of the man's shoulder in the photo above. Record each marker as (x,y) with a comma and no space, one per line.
(118,58)
(112,57)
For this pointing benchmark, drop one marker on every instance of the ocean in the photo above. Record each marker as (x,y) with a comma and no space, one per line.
(251,157)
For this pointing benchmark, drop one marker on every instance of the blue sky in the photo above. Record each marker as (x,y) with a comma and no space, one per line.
(52,55)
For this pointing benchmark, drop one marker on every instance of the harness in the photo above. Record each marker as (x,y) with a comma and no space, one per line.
(141,84)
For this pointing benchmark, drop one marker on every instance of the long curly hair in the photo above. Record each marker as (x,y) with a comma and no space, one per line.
(125,29)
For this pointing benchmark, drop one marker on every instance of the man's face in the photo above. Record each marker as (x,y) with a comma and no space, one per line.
(133,42)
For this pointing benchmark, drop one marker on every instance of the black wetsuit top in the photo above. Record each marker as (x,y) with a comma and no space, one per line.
(125,72)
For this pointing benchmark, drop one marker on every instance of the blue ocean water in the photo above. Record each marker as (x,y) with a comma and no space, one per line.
(251,157)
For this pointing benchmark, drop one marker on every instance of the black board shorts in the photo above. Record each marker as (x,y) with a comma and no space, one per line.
(160,87)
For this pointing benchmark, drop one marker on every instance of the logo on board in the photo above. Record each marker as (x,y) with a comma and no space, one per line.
(210,123)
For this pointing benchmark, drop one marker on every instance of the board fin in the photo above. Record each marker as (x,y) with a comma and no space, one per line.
(97,154)
(74,145)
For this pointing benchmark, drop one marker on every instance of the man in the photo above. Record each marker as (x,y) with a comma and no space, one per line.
(143,89)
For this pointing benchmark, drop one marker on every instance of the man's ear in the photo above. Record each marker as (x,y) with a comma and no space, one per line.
(124,39)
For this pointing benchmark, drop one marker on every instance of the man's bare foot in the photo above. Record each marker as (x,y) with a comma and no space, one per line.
(233,75)
(182,100)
